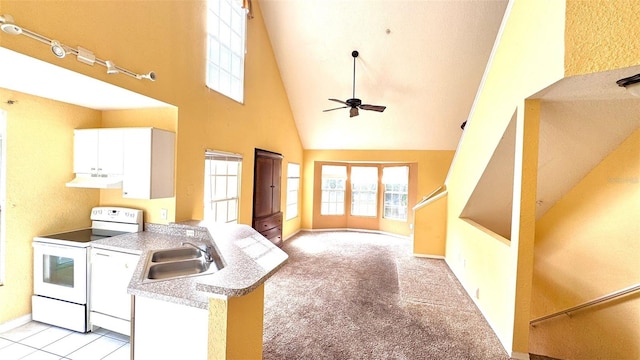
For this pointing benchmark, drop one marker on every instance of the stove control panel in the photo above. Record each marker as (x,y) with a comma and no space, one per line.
(117,214)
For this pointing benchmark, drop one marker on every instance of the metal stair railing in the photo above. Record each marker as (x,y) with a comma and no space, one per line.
(601,299)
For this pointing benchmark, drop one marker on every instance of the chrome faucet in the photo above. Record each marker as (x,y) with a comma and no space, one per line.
(207,251)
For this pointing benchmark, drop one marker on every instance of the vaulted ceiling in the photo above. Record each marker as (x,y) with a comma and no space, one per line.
(423,59)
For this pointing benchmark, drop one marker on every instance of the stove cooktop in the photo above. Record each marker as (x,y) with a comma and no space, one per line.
(80,238)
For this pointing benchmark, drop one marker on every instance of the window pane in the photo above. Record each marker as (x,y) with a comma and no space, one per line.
(226,42)
(293,185)
(232,186)
(364,191)
(221,188)
(333,186)
(396,180)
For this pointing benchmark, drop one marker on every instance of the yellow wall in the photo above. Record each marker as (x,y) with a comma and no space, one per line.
(430,228)
(432,168)
(587,246)
(39,161)
(168,38)
(601,35)
(526,58)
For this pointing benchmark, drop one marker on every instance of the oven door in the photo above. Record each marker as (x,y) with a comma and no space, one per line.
(60,272)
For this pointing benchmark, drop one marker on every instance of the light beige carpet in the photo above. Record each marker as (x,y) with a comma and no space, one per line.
(356,295)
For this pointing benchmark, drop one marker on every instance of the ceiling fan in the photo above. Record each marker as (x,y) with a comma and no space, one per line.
(355,103)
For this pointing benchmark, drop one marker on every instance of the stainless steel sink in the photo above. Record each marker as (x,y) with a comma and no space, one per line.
(182,253)
(176,269)
(180,262)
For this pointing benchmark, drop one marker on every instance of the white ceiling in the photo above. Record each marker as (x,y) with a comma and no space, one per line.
(423,59)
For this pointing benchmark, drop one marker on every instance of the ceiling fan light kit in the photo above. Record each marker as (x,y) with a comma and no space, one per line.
(354,103)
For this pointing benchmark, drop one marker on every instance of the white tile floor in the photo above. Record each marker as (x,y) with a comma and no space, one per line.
(38,341)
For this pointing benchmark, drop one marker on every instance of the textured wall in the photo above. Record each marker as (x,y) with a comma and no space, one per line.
(587,246)
(39,161)
(601,35)
(527,57)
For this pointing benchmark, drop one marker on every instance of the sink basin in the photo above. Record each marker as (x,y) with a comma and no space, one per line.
(179,262)
(176,254)
(176,269)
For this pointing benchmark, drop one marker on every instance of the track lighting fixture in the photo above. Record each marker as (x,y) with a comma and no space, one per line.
(57,49)
(631,83)
(60,50)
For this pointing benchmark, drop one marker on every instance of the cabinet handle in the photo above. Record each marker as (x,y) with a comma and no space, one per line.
(101,254)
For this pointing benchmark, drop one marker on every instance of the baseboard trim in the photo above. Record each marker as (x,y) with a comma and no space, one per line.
(426,256)
(17,322)
(519,356)
(506,347)
(292,235)
(357,230)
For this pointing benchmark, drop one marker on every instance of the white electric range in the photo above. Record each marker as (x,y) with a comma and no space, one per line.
(61,267)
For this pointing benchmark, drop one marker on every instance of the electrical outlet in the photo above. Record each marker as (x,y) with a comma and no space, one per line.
(164,214)
(191,233)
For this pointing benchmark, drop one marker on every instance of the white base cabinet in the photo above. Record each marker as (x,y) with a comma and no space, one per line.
(110,304)
(164,330)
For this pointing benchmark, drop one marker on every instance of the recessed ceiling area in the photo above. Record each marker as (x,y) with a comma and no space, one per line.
(583,119)
(423,59)
(28,75)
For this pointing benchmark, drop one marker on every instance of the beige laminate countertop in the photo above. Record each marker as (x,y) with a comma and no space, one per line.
(249,260)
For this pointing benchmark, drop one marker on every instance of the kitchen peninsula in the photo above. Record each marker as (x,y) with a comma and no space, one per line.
(216,316)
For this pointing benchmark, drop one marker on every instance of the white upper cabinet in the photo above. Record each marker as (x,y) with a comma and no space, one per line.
(98,152)
(141,161)
(148,163)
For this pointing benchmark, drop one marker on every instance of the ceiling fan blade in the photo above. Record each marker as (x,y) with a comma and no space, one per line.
(340,101)
(378,108)
(342,107)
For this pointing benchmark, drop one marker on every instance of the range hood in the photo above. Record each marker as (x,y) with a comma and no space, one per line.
(96,182)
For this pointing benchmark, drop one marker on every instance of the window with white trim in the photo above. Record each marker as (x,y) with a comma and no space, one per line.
(293,187)
(226,36)
(334,178)
(364,190)
(222,186)
(396,192)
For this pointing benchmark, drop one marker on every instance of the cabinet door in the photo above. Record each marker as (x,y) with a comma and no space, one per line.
(85,151)
(110,151)
(111,273)
(263,191)
(137,165)
(149,163)
(276,180)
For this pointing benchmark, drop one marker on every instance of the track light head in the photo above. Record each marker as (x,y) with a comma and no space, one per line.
(58,49)
(8,26)
(149,76)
